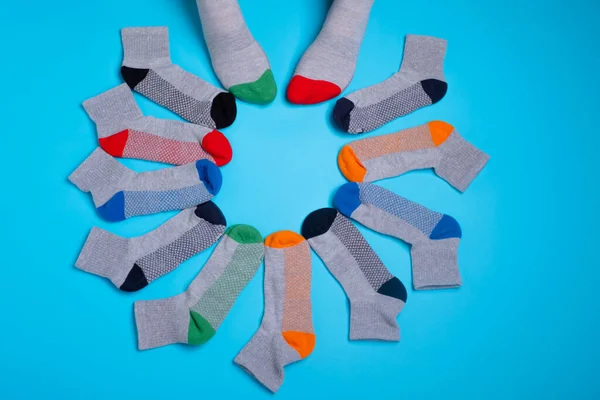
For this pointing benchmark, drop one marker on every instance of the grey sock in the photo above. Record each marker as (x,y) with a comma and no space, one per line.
(120,193)
(434,237)
(131,264)
(194,316)
(147,69)
(419,82)
(376,296)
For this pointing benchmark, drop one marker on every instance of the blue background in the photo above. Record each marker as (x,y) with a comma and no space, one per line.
(522,86)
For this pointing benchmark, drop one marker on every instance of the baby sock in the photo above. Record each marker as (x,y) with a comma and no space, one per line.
(124,132)
(131,264)
(239,61)
(434,237)
(328,65)
(419,82)
(286,332)
(148,70)
(434,145)
(120,193)
(376,296)
(194,316)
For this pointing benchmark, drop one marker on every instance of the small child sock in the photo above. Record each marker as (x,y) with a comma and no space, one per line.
(420,82)
(120,193)
(148,70)
(131,264)
(434,145)
(434,237)
(239,61)
(327,66)
(194,316)
(376,296)
(286,333)
(124,132)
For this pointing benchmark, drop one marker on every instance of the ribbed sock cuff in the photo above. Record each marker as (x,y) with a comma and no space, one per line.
(145,47)
(460,161)
(99,169)
(435,264)
(104,254)
(375,319)
(114,105)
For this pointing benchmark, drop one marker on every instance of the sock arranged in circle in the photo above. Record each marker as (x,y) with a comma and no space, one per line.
(120,193)
(434,237)
(239,61)
(148,70)
(328,65)
(376,296)
(124,132)
(194,316)
(434,145)
(131,264)
(286,333)
(420,82)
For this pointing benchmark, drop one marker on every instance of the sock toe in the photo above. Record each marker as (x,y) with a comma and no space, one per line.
(283,239)
(341,113)
(303,90)
(350,165)
(244,234)
(223,110)
(318,222)
(136,280)
(261,91)
(210,175)
(217,145)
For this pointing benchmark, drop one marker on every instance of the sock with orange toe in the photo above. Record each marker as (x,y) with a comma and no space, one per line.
(434,145)
(327,66)
(286,333)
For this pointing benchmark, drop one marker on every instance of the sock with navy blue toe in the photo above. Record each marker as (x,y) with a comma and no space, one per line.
(120,193)
(434,237)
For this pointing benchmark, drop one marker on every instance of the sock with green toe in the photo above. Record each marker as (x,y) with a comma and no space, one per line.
(239,61)
(194,316)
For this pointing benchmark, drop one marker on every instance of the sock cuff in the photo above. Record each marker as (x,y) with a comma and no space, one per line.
(99,169)
(144,47)
(158,323)
(425,55)
(371,320)
(102,254)
(435,264)
(114,105)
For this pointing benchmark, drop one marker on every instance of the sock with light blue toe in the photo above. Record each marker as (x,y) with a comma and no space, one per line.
(434,237)
(120,193)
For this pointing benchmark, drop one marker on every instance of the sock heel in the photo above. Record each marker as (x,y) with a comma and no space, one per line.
(133,76)
(435,89)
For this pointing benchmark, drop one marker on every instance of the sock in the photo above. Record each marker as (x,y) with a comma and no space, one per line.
(434,145)
(434,237)
(238,60)
(286,333)
(120,193)
(376,296)
(124,132)
(327,66)
(131,264)
(420,82)
(194,316)
(148,70)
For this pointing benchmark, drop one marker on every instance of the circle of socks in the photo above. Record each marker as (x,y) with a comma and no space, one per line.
(123,131)
(420,82)
(376,296)
(327,66)
(434,145)
(434,237)
(237,58)
(147,69)
(120,193)
(286,332)
(194,316)
(131,264)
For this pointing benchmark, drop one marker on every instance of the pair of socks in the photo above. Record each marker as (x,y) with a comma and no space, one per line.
(120,193)
(434,237)
(420,82)
(123,131)
(194,316)
(147,69)
(434,145)
(131,264)
(286,332)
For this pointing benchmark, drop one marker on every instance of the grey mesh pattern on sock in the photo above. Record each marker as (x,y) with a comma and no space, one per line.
(150,202)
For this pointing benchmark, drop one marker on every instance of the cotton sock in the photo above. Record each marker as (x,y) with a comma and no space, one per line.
(376,296)
(148,70)
(239,61)
(124,132)
(120,193)
(286,333)
(194,316)
(434,145)
(419,82)
(434,237)
(131,264)
(327,66)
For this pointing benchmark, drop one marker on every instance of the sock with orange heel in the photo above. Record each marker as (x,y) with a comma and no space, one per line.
(286,333)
